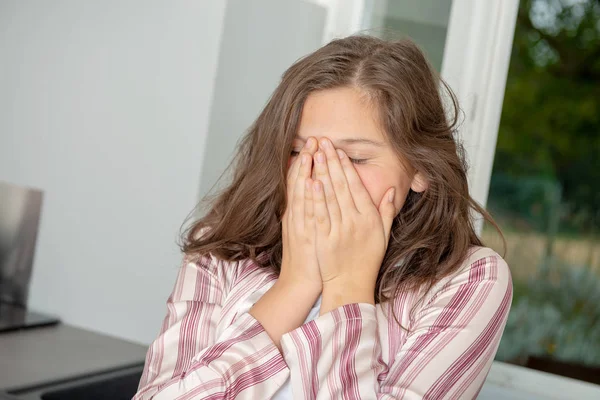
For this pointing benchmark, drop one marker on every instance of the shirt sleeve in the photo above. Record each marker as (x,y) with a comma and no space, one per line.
(446,355)
(190,359)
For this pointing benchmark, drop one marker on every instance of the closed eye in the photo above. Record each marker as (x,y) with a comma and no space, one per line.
(353,160)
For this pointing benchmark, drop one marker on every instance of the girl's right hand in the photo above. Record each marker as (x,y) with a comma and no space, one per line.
(299,260)
(285,306)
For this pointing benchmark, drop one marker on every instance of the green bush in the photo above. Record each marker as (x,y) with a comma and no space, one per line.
(557,316)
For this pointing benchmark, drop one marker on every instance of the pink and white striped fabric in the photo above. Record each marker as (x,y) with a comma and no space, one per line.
(209,347)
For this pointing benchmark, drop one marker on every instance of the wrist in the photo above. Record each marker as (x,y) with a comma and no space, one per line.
(299,287)
(338,294)
(284,307)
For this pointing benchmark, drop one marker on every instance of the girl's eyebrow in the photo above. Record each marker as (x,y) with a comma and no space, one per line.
(351,141)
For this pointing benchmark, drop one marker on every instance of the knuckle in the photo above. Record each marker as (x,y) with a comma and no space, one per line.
(295,198)
(339,185)
(351,228)
(373,215)
(321,219)
(321,170)
(305,153)
(372,221)
(330,197)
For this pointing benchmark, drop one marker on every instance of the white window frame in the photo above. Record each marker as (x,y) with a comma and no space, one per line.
(476,59)
(344,17)
(475,65)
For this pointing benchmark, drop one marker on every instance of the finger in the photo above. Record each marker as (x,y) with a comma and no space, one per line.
(304,168)
(291,186)
(309,213)
(336,179)
(292,174)
(298,196)
(387,211)
(360,195)
(329,193)
(322,222)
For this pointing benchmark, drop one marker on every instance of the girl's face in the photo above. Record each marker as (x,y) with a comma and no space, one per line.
(344,116)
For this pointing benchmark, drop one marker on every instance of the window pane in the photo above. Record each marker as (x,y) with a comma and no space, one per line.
(424,21)
(545,189)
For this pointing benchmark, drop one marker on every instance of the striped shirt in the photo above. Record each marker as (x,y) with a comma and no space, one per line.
(210,347)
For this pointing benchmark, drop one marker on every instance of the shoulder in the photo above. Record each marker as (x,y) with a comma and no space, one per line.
(206,277)
(482,280)
(483,263)
(220,275)
(227,272)
(203,278)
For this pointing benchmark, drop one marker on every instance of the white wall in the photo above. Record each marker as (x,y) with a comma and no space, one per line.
(261,39)
(105,106)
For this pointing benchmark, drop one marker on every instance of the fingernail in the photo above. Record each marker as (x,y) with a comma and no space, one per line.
(308,143)
(325,144)
(340,153)
(391,195)
(320,157)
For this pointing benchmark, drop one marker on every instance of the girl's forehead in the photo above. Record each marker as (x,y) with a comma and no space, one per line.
(344,141)
(343,116)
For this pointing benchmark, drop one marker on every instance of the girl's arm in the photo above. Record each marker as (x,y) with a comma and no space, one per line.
(190,359)
(284,307)
(446,355)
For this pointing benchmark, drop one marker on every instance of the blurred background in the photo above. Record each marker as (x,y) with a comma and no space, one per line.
(125,113)
(545,187)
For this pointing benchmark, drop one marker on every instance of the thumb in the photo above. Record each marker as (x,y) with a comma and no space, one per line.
(387,210)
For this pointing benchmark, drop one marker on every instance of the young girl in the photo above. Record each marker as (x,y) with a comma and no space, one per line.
(341,262)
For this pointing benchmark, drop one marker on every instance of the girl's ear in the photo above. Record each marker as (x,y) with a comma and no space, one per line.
(419,183)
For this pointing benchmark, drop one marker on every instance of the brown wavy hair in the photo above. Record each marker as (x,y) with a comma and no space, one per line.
(434,230)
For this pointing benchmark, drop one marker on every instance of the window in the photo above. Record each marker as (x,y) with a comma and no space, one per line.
(545,188)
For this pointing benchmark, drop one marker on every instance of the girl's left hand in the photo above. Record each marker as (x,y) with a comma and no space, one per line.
(352,233)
